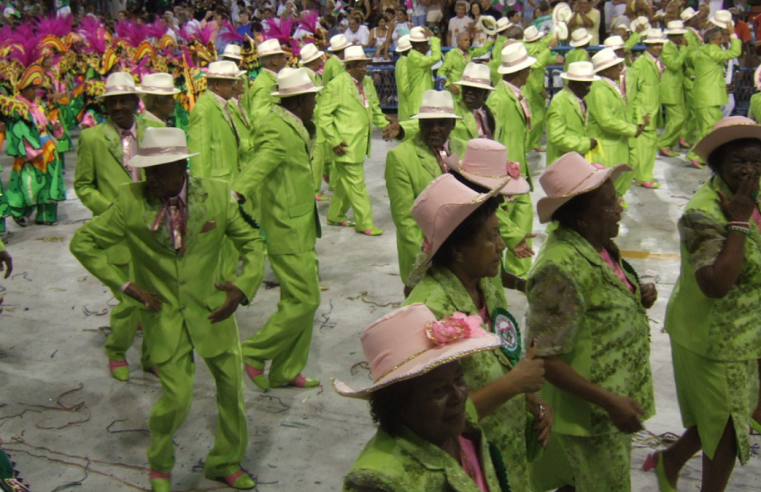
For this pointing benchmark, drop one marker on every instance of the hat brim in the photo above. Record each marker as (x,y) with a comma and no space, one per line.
(356,60)
(423,363)
(143,161)
(674,32)
(685,19)
(435,116)
(723,25)
(279,52)
(310,60)
(548,205)
(656,41)
(402,50)
(175,91)
(339,48)
(611,63)
(474,84)
(233,57)
(585,40)
(116,93)
(525,64)
(565,76)
(723,135)
(531,40)
(316,88)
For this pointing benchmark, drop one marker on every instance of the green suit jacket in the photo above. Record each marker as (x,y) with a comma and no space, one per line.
(184,284)
(575,55)
(505,106)
(257,102)
(455,61)
(244,130)
(607,122)
(410,167)
(710,85)
(496,60)
(694,42)
(99,172)
(672,81)
(402,89)
(467,128)
(344,118)
(754,112)
(566,126)
(212,134)
(643,91)
(333,67)
(419,74)
(279,178)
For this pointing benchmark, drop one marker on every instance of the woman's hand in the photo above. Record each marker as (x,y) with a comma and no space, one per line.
(625,413)
(522,249)
(543,414)
(741,207)
(528,373)
(649,295)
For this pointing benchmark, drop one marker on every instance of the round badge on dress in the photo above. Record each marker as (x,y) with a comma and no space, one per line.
(506,327)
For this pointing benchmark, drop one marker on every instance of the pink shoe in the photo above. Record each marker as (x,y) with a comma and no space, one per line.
(239,480)
(257,377)
(119,369)
(302,381)
(684,144)
(697,164)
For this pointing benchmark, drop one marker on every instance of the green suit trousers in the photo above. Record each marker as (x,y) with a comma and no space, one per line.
(285,337)
(176,375)
(521,213)
(676,115)
(125,318)
(321,164)
(706,118)
(642,155)
(350,190)
(690,125)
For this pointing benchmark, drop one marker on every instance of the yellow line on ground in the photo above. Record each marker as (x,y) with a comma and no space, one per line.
(644,255)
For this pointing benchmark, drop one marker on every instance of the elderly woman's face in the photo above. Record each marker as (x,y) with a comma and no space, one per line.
(604,212)
(744,160)
(481,258)
(436,408)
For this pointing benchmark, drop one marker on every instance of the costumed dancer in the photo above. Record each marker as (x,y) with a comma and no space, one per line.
(508,105)
(349,109)
(694,37)
(402,80)
(419,64)
(101,60)
(540,47)
(103,155)
(457,58)
(672,87)
(279,177)
(158,93)
(258,101)
(754,112)
(174,226)
(312,60)
(499,44)
(580,40)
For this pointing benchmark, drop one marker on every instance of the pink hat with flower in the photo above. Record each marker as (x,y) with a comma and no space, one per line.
(485,163)
(410,342)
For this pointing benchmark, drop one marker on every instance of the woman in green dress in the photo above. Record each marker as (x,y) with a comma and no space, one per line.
(428,437)
(712,316)
(464,252)
(587,313)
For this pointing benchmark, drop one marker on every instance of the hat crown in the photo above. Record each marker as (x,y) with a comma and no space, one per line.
(485,157)
(438,100)
(531,33)
(417,35)
(675,24)
(564,176)
(232,49)
(269,47)
(688,13)
(723,16)
(308,51)
(605,58)
(162,138)
(615,42)
(338,42)
(477,72)
(160,80)
(581,69)
(404,43)
(223,69)
(435,209)
(655,34)
(354,53)
(120,81)
(514,53)
(503,23)
(579,34)
(293,80)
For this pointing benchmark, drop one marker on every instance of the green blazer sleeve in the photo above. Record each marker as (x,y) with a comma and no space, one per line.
(329,102)
(754,112)
(269,155)
(599,104)
(91,241)
(213,137)
(446,68)
(481,50)
(402,88)
(85,184)
(633,40)
(718,54)
(511,234)
(251,246)
(199,140)
(421,61)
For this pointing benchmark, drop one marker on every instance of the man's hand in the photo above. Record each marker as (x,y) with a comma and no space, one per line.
(646,119)
(544,94)
(641,28)
(559,60)
(428,32)
(649,295)
(592,143)
(149,299)
(339,149)
(392,130)
(6,263)
(625,414)
(234,298)
(640,129)
(454,89)
(523,250)
(731,28)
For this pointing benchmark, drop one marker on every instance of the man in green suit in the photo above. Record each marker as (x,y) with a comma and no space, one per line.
(312,60)
(174,226)
(279,178)
(607,117)
(157,92)
(350,110)
(334,65)
(508,106)
(538,46)
(710,91)
(419,75)
(411,166)
(580,40)
(402,80)
(457,58)
(643,83)
(257,101)
(499,43)
(241,122)
(477,119)
(567,115)
(692,22)
(672,87)
(102,167)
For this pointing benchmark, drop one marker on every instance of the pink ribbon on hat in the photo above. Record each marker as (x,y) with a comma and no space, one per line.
(153,151)
(427,245)
(436,109)
(459,326)
(154,88)
(120,88)
(475,80)
(513,169)
(298,88)
(220,75)
(516,62)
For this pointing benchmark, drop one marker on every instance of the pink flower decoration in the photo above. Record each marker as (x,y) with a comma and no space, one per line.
(427,245)
(459,326)
(513,169)
(598,166)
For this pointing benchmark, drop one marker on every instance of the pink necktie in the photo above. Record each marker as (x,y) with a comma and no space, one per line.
(128,151)
(362,95)
(172,213)
(483,127)
(442,154)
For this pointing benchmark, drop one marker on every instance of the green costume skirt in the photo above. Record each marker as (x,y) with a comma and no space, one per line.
(710,392)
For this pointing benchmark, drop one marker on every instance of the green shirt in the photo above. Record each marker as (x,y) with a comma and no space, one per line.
(581,311)
(725,329)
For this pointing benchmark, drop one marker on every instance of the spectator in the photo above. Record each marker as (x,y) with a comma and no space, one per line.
(400,28)
(488,9)
(514,16)
(479,35)
(587,17)
(743,32)
(357,33)
(378,38)
(613,10)
(433,12)
(331,23)
(418,13)
(543,17)
(192,24)
(460,23)
(244,24)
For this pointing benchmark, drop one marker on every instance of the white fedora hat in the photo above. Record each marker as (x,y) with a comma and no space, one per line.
(117,84)
(722,18)
(309,53)
(161,146)
(532,34)
(502,24)
(580,37)
(436,105)
(605,58)
(655,36)
(561,31)
(581,71)
(675,27)
(515,58)
(338,43)
(232,51)
(640,21)
(561,13)
(269,47)
(223,70)
(160,84)
(688,14)
(404,44)
(476,75)
(614,42)
(294,81)
(355,53)
(418,35)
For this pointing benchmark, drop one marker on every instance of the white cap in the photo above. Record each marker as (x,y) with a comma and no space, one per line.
(675,27)
(269,47)
(417,35)
(404,44)
(354,53)
(655,36)
(580,37)
(338,43)
(476,75)
(223,70)
(232,51)
(614,42)
(605,58)
(722,18)
(117,84)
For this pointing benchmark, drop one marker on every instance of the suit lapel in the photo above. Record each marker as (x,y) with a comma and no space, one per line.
(150,212)
(196,210)
(114,143)
(574,103)
(427,159)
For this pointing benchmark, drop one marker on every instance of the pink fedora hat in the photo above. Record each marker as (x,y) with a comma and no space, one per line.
(410,342)
(485,163)
(726,130)
(571,176)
